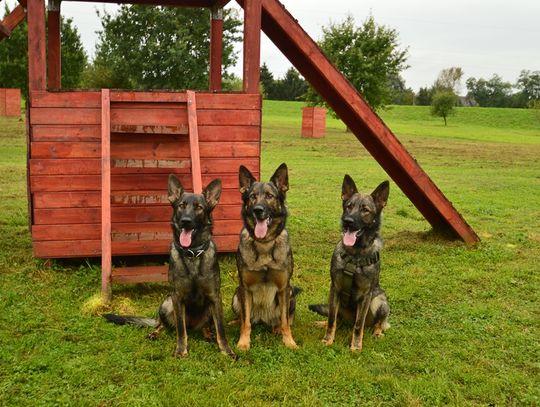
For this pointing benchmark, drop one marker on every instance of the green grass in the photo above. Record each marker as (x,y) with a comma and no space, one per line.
(465,321)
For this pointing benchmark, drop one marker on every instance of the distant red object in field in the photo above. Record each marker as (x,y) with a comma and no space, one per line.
(10,102)
(313,122)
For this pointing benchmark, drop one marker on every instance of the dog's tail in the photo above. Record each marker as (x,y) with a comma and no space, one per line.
(321,309)
(138,321)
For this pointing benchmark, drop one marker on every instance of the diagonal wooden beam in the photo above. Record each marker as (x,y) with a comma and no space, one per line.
(4,31)
(285,32)
(12,20)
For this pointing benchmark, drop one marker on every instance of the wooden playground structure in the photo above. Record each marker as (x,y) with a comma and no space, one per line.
(98,160)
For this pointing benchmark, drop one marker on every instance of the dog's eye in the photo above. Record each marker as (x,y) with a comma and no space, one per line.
(183,205)
(253,197)
(268,195)
(364,210)
(350,205)
(197,206)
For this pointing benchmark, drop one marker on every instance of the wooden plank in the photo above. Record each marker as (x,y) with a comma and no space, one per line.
(72,99)
(194,142)
(216,48)
(37,69)
(252,45)
(123,231)
(52,200)
(65,116)
(131,182)
(54,60)
(81,99)
(142,274)
(106,249)
(66,132)
(92,133)
(161,149)
(285,32)
(92,248)
(122,214)
(146,129)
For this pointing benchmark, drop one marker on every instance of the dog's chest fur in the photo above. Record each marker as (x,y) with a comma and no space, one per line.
(265,262)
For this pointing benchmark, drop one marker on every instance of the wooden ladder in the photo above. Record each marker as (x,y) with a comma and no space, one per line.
(142,273)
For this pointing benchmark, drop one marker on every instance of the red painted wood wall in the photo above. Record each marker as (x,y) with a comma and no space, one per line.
(10,102)
(149,140)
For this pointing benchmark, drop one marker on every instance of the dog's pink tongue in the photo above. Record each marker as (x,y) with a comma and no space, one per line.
(349,238)
(185,237)
(261,228)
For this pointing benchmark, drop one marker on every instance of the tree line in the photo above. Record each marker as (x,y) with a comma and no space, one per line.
(142,47)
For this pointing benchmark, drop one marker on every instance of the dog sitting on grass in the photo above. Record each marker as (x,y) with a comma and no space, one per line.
(355,293)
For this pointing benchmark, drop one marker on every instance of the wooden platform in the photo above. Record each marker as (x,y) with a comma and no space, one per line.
(148,141)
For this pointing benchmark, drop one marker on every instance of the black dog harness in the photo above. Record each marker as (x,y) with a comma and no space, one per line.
(191,251)
(354,266)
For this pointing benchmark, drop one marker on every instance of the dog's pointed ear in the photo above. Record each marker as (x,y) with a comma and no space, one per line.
(176,190)
(281,178)
(348,189)
(246,179)
(212,192)
(380,195)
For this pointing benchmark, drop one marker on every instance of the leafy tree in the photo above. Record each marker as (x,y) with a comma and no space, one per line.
(529,85)
(267,80)
(493,92)
(449,79)
(14,57)
(401,95)
(291,87)
(368,56)
(151,47)
(443,103)
(423,97)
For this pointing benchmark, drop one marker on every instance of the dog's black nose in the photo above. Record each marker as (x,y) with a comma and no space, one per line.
(187,222)
(348,222)
(258,211)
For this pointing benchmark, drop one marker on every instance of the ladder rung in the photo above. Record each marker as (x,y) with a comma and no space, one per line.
(142,274)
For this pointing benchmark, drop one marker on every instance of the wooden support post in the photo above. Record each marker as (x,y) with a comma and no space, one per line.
(216,48)
(252,45)
(37,69)
(106,251)
(54,60)
(194,142)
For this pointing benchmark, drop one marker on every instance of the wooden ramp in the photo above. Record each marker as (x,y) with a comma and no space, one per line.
(307,57)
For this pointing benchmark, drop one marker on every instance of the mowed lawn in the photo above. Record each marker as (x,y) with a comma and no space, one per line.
(465,320)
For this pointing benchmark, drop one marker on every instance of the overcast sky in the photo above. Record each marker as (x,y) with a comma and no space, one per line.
(483,37)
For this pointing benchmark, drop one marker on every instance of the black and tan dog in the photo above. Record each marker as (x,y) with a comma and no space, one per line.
(355,293)
(195,301)
(264,258)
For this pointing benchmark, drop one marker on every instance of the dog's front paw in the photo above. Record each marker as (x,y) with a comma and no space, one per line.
(328,341)
(378,333)
(243,344)
(180,353)
(289,342)
(356,347)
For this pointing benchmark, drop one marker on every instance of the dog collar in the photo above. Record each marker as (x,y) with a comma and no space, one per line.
(359,261)
(191,251)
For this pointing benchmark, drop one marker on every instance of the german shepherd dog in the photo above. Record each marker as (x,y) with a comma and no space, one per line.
(264,258)
(355,293)
(195,301)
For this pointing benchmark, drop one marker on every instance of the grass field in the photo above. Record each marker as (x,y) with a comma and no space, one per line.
(465,321)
